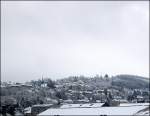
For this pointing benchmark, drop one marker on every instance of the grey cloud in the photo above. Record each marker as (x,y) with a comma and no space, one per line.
(58,39)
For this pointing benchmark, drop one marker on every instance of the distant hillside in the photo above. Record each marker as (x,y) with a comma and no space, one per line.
(130,81)
(127,81)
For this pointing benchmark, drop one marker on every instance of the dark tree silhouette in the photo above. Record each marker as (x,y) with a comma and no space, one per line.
(50,83)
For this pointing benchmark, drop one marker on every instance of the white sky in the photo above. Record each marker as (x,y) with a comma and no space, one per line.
(59,39)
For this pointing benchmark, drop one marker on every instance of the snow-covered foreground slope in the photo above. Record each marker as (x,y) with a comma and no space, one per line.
(120,110)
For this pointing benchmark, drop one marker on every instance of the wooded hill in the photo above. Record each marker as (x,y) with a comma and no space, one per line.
(130,81)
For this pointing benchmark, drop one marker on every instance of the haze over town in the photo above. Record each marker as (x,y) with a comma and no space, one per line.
(60,39)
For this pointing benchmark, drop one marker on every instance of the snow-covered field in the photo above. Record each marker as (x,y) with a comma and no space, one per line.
(124,109)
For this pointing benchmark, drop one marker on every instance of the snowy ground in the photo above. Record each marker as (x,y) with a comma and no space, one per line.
(124,109)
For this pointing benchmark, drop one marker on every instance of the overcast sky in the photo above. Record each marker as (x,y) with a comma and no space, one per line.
(60,39)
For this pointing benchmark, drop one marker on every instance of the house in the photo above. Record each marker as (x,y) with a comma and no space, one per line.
(27,111)
(81,101)
(51,101)
(121,100)
(147,99)
(140,99)
(69,101)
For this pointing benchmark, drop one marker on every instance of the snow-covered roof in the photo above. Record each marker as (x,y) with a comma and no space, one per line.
(92,105)
(87,91)
(94,111)
(19,85)
(139,97)
(27,110)
(83,100)
(134,104)
(121,100)
(42,105)
(117,97)
(68,101)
